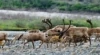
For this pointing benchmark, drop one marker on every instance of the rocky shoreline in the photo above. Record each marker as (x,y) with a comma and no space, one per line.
(17,49)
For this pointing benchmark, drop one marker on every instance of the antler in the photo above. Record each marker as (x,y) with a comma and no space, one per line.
(68,26)
(62,33)
(49,21)
(89,21)
(64,24)
(44,21)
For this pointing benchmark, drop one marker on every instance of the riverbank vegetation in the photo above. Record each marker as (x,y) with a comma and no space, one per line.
(35,23)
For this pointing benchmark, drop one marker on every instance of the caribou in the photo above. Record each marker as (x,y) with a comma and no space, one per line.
(76,34)
(3,37)
(93,31)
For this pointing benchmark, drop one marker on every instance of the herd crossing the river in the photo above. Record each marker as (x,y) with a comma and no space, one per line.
(63,34)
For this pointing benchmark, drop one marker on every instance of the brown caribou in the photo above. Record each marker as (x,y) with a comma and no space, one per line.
(3,37)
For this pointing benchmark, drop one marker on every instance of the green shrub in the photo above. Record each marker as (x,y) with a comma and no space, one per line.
(15,24)
(60,3)
(95,9)
(20,24)
(31,25)
(62,8)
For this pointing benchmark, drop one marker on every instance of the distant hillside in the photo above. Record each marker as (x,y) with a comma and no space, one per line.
(52,5)
(79,1)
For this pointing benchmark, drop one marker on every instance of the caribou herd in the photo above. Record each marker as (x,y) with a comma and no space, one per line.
(63,34)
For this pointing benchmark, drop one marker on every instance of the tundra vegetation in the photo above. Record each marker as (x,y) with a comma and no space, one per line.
(35,23)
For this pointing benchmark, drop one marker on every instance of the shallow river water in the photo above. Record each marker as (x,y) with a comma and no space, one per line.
(31,14)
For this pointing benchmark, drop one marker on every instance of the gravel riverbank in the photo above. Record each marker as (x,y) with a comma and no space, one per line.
(17,49)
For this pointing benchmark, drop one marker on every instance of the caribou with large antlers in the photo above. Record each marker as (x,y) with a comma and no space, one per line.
(76,34)
(35,36)
(93,31)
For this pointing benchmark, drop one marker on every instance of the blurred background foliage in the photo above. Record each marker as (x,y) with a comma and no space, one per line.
(44,5)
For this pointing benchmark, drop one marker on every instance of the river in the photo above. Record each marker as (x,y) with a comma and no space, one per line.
(11,34)
(31,14)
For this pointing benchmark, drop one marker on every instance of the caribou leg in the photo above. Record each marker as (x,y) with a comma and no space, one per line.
(99,38)
(95,38)
(69,42)
(47,45)
(75,44)
(4,44)
(89,37)
(51,45)
(40,44)
(33,44)
(90,40)
(25,44)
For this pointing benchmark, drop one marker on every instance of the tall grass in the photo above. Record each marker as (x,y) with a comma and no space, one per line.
(36,23)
